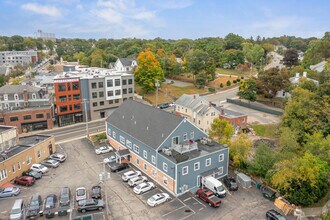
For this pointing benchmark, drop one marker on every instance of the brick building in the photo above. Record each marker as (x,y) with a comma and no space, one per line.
(20,157)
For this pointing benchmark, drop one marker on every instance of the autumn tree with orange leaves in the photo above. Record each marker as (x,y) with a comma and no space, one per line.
(148,71)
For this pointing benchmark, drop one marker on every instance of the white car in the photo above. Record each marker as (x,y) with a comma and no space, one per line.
(143,187)
(158,199)
(81,194)
(50,163)
(130,174)
(103,150)
(39,168)
(137,180)
(110,159)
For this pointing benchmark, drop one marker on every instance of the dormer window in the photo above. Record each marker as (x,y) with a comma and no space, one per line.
(16,96)
(34,96)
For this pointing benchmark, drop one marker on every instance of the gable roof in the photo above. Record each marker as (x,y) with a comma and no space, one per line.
(126,61)
(12,89)
(319,66)
(195,102)
(145,123)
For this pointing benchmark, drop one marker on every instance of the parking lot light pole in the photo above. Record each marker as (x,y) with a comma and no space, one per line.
(157,86)
(86,116)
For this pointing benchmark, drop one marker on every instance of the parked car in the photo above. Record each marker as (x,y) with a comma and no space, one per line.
(230,183)
(50,163)
(137,180)
(274,215)
(110,159)
(34,207)
(209,197)
(17,211)
(215,186)
(50,206)
(116,167)
(103,150)
(9,191)
(24,180)
(143,187)
(158,199)
(32,173)
(58,157)
(65,196)
(90,205)
(130,174)
(81,194)
(39,168)
(164,105)
(96,192)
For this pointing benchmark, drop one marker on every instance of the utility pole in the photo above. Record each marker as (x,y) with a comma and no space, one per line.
(86,116)
(157,85)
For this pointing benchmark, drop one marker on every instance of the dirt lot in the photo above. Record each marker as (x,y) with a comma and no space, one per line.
(83,167)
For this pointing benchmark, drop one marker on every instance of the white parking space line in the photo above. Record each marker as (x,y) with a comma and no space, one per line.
(187,199)
(189,215)
(173,211)
(227,190)
(200,209)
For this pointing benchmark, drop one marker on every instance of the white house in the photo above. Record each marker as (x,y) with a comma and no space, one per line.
(124,64)
(294,80)
(319,67)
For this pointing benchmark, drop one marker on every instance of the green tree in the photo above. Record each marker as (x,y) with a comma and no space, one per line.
(2,80)
(231,58)
(221,131)
(97,58)
(240,150)
(148,71)
(302,180)
(234,41)
(273,80)
(263,161)
(248,90)
(228,83)
(268,47)
(253,53)
(196,61)
(318,146)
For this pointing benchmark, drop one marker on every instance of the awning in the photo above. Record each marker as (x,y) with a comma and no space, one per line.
(122,153)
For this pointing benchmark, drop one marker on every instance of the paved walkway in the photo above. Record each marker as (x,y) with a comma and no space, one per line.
(179,83)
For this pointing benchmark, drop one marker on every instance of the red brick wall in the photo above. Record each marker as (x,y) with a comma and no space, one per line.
(239,121)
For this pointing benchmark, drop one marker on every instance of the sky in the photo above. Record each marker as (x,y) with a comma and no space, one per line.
(168,19)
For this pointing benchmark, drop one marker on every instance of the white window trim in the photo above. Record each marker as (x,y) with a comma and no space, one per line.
(199,164)
(185,136)
(145,154)
(165,179)
(129,144)
(109,132)
(122,139)
(192,135)
(153,159)
(208,159)
(145,166)
(114,134)
(221,156)
(220,172)
(175,138)
(165,165)
(183,170)
(137,161)
(19,165)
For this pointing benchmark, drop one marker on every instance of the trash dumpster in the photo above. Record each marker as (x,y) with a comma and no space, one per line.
(243,180)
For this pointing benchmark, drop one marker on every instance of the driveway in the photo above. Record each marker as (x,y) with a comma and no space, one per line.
(220,97)
(179,83)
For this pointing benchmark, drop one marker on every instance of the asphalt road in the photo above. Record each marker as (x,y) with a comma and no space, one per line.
(74,132)
(222,96)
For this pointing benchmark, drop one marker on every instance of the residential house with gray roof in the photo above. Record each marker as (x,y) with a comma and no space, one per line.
(124,64)
(167,148)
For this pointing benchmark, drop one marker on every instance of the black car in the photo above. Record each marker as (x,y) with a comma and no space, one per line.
(50,206)
(90,205)
(274,215)
(230,183)
(32,173)
(34,206)
(96,192)
(164,105)
(116,167)
(65,196)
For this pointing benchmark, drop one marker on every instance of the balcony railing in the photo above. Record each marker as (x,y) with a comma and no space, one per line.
(184,147)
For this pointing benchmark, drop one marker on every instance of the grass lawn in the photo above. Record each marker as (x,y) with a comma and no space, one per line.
(269,131)
(221,79)
(185,77)
(167,92)
(234,72)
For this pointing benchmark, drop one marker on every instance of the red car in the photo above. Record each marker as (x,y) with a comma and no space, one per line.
(209,197)
(24,180)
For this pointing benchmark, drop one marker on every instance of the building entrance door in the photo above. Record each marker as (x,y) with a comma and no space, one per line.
(50,147)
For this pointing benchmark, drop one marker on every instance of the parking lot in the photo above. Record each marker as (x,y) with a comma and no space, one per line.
(82,168)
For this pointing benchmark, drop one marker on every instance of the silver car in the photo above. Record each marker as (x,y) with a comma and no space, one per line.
(50,163)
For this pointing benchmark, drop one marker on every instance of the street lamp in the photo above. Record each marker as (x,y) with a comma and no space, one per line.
(157,86)
(86,116)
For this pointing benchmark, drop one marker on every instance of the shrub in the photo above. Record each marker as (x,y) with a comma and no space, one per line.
(221,85)
(242,77)
(238,80)
(234,81)
(228,83)
(211,89)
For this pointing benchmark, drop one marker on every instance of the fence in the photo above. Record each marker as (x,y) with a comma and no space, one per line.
(255,107)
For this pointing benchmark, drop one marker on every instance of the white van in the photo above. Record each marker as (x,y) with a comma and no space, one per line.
(214,185)
(17,210)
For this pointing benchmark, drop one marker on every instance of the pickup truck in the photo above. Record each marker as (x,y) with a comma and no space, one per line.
(209,197)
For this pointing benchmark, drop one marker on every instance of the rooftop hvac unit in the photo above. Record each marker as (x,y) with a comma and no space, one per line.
(167,152)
